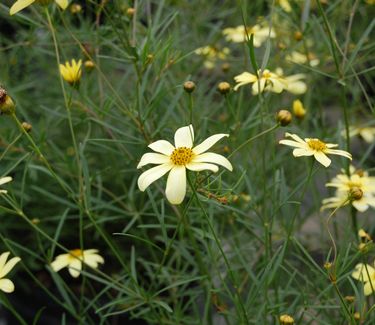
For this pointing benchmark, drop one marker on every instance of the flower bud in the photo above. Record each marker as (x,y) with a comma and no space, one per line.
(298,109)
(349,299)
(7,106)
(286,319)
(223,88)
(27,126)
(327,265)
(298,36)
(189,86)
(89,65)
(75,8)
(355,194)
(357,316)
(225,67)
(284,117)
(130,12)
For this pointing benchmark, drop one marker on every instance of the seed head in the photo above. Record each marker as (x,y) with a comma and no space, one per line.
(223,88)
(189,86)
(284,117)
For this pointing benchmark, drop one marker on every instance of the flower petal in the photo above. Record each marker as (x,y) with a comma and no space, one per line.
(153,158)
(360,205)
(362,272)
(9,266)
(322,158)
(5,180)
(62,3)
(184,137)
(295,137)
(292,143)
(368,288)
(208,143)
(19,5)
(339,152)
(3,259)
(302,152)
(151,175)
(197,167)
(60,262)
(210,157)
(162,146)
(6,285)
(75,268)
(176,185)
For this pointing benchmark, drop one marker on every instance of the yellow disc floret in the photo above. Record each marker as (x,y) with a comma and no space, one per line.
(317,145)
(76,253)
(181,155)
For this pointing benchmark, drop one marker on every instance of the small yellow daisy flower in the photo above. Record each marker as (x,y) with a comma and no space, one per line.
(366,274)
(75,259)
(176,158)
(5,180)
(267,80)
(71,72)
(7,285)
(239,34)
(313,147)
(212,54)
(22,4)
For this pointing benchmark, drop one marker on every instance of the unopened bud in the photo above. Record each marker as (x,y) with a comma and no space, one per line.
(189,86)
(225,67)
(75,8)
(27,126)
(130,12)
(286,319)
(298,36)
(359,172)
(298,109)
(327,265)
(349,299)
(7,106)
(357,316)
(355,194)
(223,88)
(89,65)
(284,117)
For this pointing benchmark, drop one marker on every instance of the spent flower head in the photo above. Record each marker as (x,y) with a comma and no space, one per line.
(7,285)
(313,147)
(22,4)
(176,158)
(75,259)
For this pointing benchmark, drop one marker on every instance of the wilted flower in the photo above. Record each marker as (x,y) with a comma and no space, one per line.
(22,4)
(313,147)
(266,80)
(239,34)
(71,72)
(75,259)
(7,285)
(176,159)
(366,274)
(212,54)
(3,181)
(346,188)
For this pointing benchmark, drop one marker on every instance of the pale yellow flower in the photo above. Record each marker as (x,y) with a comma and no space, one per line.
(294,82)
(344,184)
(300,58)
(176,158)
(267,80)
(71,72)
(212,55)
(313,147)
(75,259)
(22,4)
(367,133)
(366,274)
(239,34)
(7,285)
(5,180)
(285,5)
(298,109)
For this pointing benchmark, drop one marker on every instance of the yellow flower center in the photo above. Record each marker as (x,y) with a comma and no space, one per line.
(76,253)
(181,155)
(317,145)
(266,74)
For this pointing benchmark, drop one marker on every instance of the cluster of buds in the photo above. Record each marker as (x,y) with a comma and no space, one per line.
(7,106)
